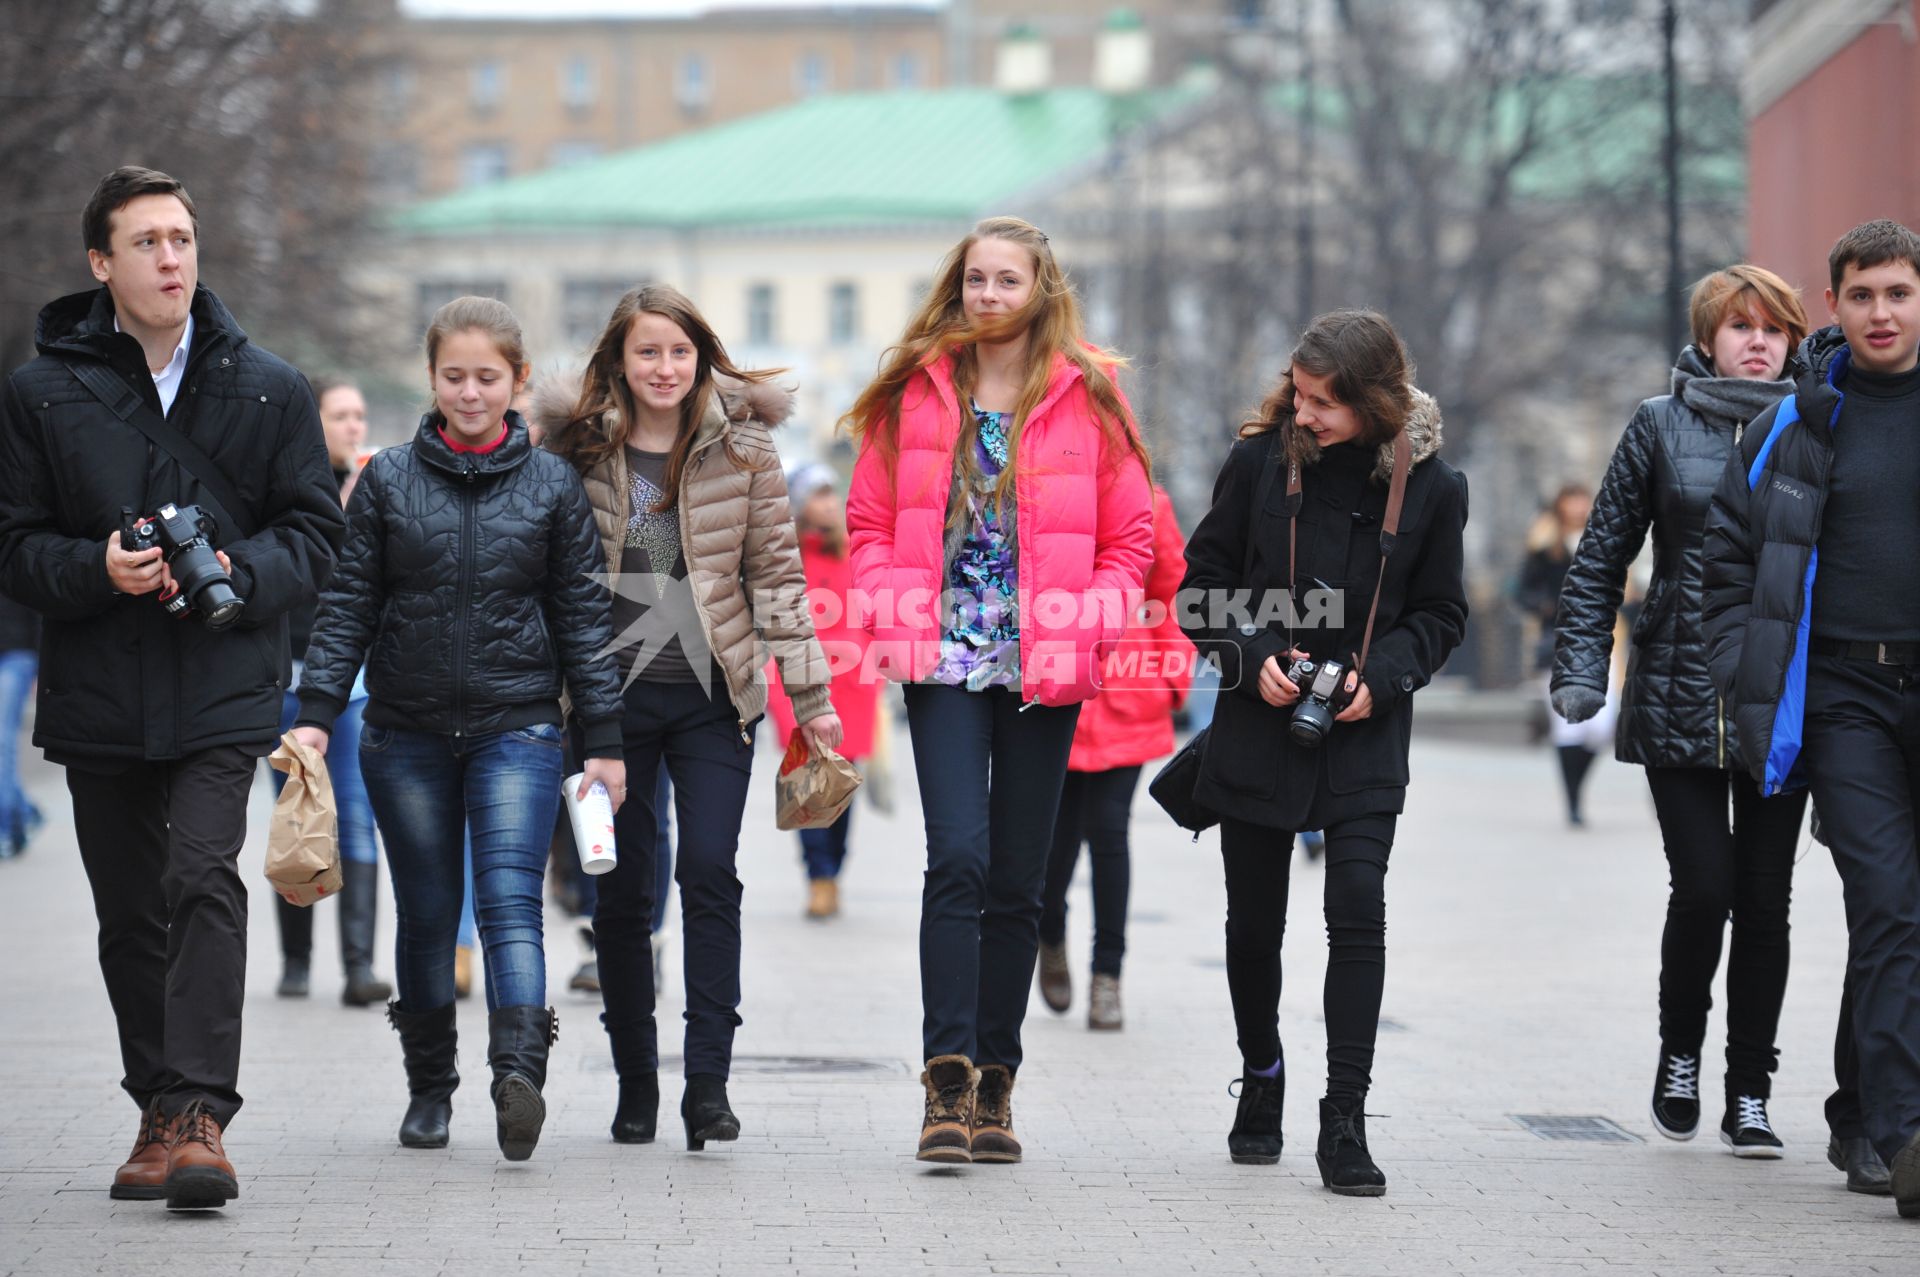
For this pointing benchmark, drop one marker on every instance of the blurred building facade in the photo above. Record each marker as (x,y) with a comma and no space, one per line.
(1832,95)
(470,101)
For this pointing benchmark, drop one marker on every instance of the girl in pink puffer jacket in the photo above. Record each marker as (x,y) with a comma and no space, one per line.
(1001,524)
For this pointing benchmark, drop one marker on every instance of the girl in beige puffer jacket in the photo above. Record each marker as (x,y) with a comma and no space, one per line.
(706,575)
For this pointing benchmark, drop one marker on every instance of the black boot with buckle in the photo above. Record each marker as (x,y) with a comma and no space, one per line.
(517,1042)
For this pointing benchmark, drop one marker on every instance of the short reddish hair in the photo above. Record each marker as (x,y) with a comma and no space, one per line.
(1753,291)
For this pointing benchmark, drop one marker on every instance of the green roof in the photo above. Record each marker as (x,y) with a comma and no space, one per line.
(941,154)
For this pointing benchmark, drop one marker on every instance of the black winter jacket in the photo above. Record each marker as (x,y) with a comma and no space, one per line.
(469,585)
(1662,477)
(1251,770)
(1761,531)
(118,677)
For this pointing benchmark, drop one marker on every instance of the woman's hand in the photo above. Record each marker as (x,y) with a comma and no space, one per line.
(1361,706)
(823,732)
(611,772)
(1275,688)
(313,738)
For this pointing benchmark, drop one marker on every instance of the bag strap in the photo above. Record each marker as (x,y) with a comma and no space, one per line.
(1389,529)
(128,405)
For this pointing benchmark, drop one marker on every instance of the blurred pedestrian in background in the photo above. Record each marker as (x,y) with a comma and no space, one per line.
(998,460)
(467,588)
(696,543)
(820,518)
(1129,724)
(343,419)
(1729,850)
(1550,545)
(19,662)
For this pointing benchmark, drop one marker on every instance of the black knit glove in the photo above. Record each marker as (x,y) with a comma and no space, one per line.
(1577,704)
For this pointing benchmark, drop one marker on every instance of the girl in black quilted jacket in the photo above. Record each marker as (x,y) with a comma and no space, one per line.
(1745,321)
(469,587)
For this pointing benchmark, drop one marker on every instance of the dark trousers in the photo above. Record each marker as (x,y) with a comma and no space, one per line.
(1742,870)
(161,845)
(699,739)
(1258,861)
(825,850)
(1095,808)
(1862,755)
(990,776)
(1845,1118)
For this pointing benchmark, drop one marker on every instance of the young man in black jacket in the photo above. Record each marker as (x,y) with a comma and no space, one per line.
(147,395)
(1812,616)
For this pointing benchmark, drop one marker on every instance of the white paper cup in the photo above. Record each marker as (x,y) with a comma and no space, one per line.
(592,819)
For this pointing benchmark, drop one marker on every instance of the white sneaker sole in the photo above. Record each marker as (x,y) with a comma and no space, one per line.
(1757,1152)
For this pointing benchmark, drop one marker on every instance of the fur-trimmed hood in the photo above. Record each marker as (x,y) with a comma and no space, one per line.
(556,393)
(1423,433)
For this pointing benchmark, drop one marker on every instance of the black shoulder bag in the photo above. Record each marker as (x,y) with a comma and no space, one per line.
(1173,785)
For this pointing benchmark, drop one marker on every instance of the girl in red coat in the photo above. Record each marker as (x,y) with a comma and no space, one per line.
(1130,723)
(820,517)
(1002,523)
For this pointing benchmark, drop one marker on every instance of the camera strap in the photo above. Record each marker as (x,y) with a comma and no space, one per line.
(1389,529)
(127,404)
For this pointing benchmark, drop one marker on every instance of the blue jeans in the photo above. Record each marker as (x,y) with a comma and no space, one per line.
(430,792)
(17,669)
(825,850)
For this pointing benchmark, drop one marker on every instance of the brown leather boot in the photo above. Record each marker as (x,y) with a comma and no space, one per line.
(993,1139)
(143,1177)
(199,1177)
(945,1131)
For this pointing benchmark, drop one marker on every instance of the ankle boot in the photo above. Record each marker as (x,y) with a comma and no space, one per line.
(427,1043)
(517,1042)
(1255,1139)
(705,1111)
(294,978)
(638,1113)
(992,1138)
(1345,1165)
(946,1131)
(359,896)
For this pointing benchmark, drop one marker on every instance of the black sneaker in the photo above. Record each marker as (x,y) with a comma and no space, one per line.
(1676,1096)
(1745,1128)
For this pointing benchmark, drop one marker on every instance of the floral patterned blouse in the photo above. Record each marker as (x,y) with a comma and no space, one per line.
(980,640)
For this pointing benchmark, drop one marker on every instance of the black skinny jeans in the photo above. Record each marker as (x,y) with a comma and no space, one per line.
(1258,861)
(1095,808)
(1743,870)
(700,741)
(990,776)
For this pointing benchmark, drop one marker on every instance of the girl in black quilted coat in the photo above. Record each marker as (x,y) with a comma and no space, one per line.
(469,586)
(1745,322)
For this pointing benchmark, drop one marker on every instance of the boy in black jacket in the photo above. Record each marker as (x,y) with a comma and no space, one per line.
(1812,616)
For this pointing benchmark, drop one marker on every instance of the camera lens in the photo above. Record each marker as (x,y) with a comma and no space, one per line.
(219,605)
(1310,724)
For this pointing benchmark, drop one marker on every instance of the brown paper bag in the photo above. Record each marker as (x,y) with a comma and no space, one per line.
(812,790)
(303,844)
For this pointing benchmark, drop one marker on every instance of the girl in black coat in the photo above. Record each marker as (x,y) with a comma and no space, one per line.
(1344,400)
(1745,321)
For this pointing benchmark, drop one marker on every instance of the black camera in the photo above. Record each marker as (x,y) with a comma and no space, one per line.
(1323,693)
(184,536)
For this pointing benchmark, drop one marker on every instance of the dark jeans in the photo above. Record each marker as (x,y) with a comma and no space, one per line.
(1863,758)
(990,774)
(1743,870)
(825,850)
(698,739)
(1095,808)
(1258,862)
(430,792)
(17,814)
(161,845)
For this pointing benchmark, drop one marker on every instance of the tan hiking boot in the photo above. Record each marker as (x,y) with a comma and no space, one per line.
(1103,1003)
(946,1129)
(823,898)
(993,1139)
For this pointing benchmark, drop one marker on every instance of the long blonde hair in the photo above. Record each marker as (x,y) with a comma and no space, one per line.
(1052,324)
(596,428)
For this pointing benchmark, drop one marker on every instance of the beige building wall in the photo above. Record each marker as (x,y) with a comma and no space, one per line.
(469,101)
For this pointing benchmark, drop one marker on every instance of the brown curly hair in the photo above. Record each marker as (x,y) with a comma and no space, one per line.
(1370,372)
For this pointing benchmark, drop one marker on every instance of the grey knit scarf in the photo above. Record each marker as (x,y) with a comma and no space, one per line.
(1734,400)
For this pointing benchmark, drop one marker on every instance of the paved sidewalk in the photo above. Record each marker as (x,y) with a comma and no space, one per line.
(1521,975)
